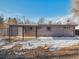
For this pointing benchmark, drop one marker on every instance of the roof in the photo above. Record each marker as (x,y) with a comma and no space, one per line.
(46,24)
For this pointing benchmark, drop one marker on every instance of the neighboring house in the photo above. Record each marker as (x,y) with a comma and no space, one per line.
(12,21)
(56,30)
(4,27)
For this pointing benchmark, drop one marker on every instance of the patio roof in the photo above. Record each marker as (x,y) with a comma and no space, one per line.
(45,24)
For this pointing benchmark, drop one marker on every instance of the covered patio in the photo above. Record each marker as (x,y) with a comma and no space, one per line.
(22,32)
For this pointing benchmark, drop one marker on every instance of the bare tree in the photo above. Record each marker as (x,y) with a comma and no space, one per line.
(27,21)
(1,20)
(50,22)
(41,20)
(20,22)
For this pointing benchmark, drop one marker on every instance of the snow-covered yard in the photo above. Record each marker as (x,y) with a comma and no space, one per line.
(53,43)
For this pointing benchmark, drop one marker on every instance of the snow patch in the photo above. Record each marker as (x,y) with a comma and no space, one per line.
(53,43)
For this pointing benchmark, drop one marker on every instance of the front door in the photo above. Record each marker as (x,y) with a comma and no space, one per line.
(19,31)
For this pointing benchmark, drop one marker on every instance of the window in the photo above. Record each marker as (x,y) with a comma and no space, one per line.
(31,28)
(49,28)
(39,27)
(66,27)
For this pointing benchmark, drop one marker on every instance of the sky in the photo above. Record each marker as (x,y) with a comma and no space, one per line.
(35,8)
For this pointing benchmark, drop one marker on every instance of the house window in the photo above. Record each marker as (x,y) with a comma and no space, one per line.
(31,28)
(49,28)
(39,27)
(66,27)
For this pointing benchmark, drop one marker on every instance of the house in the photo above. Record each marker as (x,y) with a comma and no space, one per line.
(56,30)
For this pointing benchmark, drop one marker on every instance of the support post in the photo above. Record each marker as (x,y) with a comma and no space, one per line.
(23,33)
(36,33)
(9,33)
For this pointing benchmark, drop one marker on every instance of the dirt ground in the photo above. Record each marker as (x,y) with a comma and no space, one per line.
(40,53)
